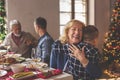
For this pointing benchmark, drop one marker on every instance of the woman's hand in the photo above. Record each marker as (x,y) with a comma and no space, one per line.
(79,54)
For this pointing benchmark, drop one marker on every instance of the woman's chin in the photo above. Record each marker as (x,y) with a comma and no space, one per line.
(75,41)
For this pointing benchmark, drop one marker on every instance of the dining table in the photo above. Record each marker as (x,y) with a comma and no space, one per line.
(6,72)
(58,74)
(62,76)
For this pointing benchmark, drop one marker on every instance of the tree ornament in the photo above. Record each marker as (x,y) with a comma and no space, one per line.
(111,46)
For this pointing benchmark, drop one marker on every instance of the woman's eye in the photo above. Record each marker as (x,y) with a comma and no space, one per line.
(73,29)
(80,30)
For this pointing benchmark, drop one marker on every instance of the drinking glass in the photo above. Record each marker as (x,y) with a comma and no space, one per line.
(33,53)
(34,56)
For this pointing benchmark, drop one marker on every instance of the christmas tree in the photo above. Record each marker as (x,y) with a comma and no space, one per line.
(2,19)
(111,46)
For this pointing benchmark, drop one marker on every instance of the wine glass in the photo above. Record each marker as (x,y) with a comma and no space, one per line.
(33,53)
(34,56)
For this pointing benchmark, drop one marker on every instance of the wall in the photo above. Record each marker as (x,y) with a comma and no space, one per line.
(102,18)
(27,10)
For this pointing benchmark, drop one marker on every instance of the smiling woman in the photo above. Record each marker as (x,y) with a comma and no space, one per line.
(72,35)
(81,64)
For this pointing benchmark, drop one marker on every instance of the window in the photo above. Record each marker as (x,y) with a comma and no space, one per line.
(72,9)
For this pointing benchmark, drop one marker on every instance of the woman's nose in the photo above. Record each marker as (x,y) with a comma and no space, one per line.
(77,31)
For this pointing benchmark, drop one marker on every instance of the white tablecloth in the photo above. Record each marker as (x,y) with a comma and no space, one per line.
(63,76)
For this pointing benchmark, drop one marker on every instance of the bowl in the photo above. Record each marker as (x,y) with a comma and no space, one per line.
(17,67)
(2,52)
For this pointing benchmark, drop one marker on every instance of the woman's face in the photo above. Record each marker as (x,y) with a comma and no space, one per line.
(75,34)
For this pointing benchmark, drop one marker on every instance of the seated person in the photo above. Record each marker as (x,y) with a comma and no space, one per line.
(84,62)
(72,34)
(45,40)
(19,42)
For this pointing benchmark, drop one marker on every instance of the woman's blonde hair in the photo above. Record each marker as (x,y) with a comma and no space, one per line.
(64,37)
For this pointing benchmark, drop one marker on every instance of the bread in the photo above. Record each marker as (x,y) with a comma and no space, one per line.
(10,60)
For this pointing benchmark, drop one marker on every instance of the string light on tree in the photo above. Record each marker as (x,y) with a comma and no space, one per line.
(111,46)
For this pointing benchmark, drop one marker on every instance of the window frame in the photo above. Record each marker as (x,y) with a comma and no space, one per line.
(73,13)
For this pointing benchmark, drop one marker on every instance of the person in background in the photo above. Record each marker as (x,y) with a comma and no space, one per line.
(84,62)
(19,42)
(72,35)
(45,40)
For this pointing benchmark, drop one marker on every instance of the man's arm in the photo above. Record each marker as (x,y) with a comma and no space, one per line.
(53,59)
(93,68)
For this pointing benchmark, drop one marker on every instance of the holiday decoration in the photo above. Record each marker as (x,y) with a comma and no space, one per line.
(2,19)
(111,46)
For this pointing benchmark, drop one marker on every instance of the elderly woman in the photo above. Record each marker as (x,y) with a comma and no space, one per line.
(72,35)
(63,49)
(20,42)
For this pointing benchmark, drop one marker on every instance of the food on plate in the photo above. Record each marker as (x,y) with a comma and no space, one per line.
(17,67)
(50,73)
(37,65)
(13,55)
(10,60)
(20,59)
(3,52)
(2,60)
(22,74)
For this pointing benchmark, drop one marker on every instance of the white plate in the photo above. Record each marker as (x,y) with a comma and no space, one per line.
(3,73)
(3,52)
(13,55)
(5,67)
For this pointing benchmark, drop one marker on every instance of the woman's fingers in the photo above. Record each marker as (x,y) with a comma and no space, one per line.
(71,48)
(82,52)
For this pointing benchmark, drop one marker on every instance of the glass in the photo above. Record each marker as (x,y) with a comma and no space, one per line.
(34,56)
(33,53)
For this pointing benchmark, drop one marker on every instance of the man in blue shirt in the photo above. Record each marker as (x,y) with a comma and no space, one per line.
(45,40)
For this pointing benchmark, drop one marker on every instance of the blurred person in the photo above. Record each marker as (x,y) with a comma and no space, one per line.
(72,34)
(85,52)
(45,40)
(18,41)
(66,53)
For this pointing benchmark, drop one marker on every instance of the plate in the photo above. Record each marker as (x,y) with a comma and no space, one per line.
(5,67)
(40,66)
(20,59)
(19,77)
(3,52)
(3,73)
(13,55)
